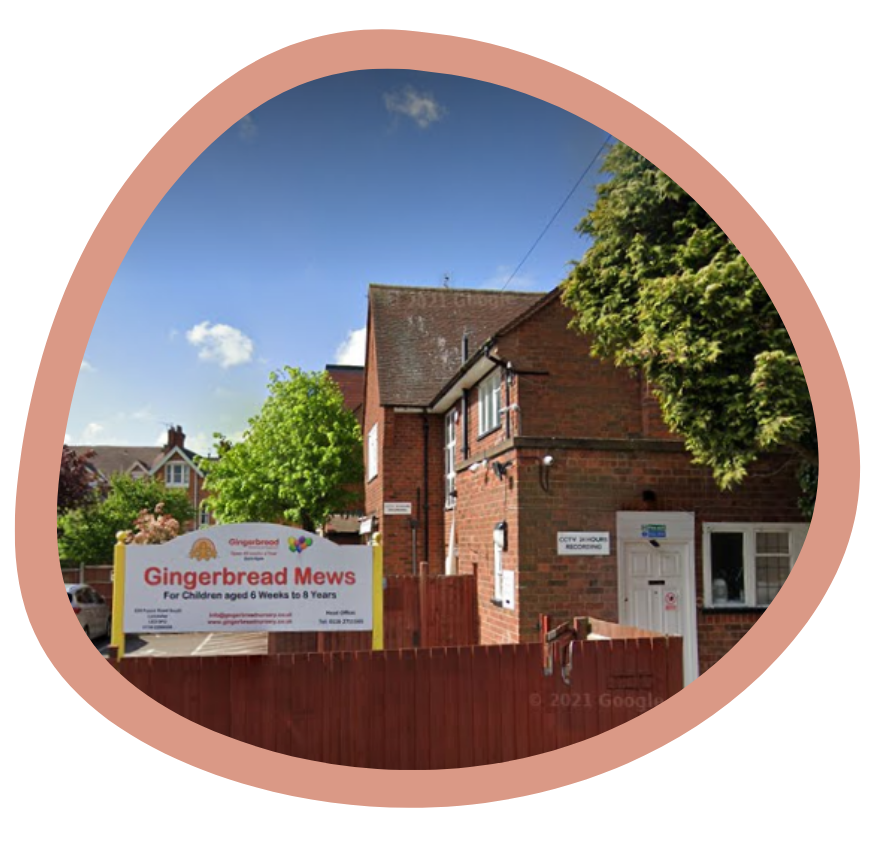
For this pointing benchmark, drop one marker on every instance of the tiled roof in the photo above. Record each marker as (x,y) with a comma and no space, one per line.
(109,460)
(418,334)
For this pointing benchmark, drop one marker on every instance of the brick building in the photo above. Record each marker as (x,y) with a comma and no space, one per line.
(172,464)
(494,442)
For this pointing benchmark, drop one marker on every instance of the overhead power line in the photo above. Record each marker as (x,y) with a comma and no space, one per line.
(569,195)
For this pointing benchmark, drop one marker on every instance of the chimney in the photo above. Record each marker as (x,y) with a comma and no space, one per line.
(175,438)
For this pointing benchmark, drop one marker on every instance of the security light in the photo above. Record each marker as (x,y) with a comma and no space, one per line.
(501,468)
(547,461)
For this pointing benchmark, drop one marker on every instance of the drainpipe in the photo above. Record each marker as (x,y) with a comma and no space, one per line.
(465,352)
(414,526)
(425,482)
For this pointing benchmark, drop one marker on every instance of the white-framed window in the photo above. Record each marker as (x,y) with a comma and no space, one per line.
(372,453)
(489,403)
(177,475)
(450,458)
(204,518)
(746,564)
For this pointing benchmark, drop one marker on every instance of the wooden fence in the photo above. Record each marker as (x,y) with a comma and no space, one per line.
(421,611)
(416,708)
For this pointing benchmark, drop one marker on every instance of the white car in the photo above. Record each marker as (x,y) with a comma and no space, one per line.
(89,605)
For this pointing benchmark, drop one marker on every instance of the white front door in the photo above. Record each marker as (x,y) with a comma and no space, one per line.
(657,589)
(656,578)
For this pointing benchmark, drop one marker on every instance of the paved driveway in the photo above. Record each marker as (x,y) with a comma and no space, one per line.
(190,645)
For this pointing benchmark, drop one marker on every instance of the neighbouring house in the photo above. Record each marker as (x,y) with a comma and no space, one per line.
(494,442)
(344,527)
(172,464)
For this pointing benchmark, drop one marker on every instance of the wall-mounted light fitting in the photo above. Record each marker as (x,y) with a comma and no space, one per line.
(500,468)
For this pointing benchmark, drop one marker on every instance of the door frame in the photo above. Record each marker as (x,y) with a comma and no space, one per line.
(680,527)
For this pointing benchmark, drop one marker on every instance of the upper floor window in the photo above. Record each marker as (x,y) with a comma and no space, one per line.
(489,403)
(177,475)
(450,458)
(372,453)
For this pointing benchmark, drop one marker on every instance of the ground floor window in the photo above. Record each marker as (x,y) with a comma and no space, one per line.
(746,564)
(204,518)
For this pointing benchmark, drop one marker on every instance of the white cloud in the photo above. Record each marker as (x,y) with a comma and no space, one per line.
(67,439)
(201,443)
(419,106)
(353,351)
(220,343)
(247,128)
(86,367)
(92,434)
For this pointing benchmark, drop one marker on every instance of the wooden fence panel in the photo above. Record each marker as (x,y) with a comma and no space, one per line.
(439,707)
(419,612)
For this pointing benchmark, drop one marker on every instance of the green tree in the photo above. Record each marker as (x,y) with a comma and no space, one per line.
(298,461)
(88,534)
(662,290)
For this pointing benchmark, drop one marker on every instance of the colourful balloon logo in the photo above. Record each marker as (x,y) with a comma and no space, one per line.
(299,544)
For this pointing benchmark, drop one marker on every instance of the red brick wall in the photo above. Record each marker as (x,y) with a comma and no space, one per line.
(483,501)
(587,489)
(401,478)
(578,396)
(374,415)
(403,468)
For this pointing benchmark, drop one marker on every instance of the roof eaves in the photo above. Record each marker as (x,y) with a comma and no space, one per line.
(482,352)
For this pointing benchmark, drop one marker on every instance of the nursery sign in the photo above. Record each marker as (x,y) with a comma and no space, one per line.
(248,577)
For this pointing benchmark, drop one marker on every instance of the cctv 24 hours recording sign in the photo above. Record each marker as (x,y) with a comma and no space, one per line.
(583,543)
(250,577)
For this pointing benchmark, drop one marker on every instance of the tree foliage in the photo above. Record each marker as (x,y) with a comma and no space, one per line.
(298,461)
(88,534)
(152,527)
(664,291)
(75,480)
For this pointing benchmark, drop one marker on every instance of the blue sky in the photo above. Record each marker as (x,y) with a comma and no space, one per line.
(261,254)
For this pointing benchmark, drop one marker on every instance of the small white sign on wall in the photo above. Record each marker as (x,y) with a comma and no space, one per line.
(583,543)
(508,589)
(397,508)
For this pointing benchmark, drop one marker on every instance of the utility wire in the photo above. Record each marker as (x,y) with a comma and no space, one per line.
(581,178)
